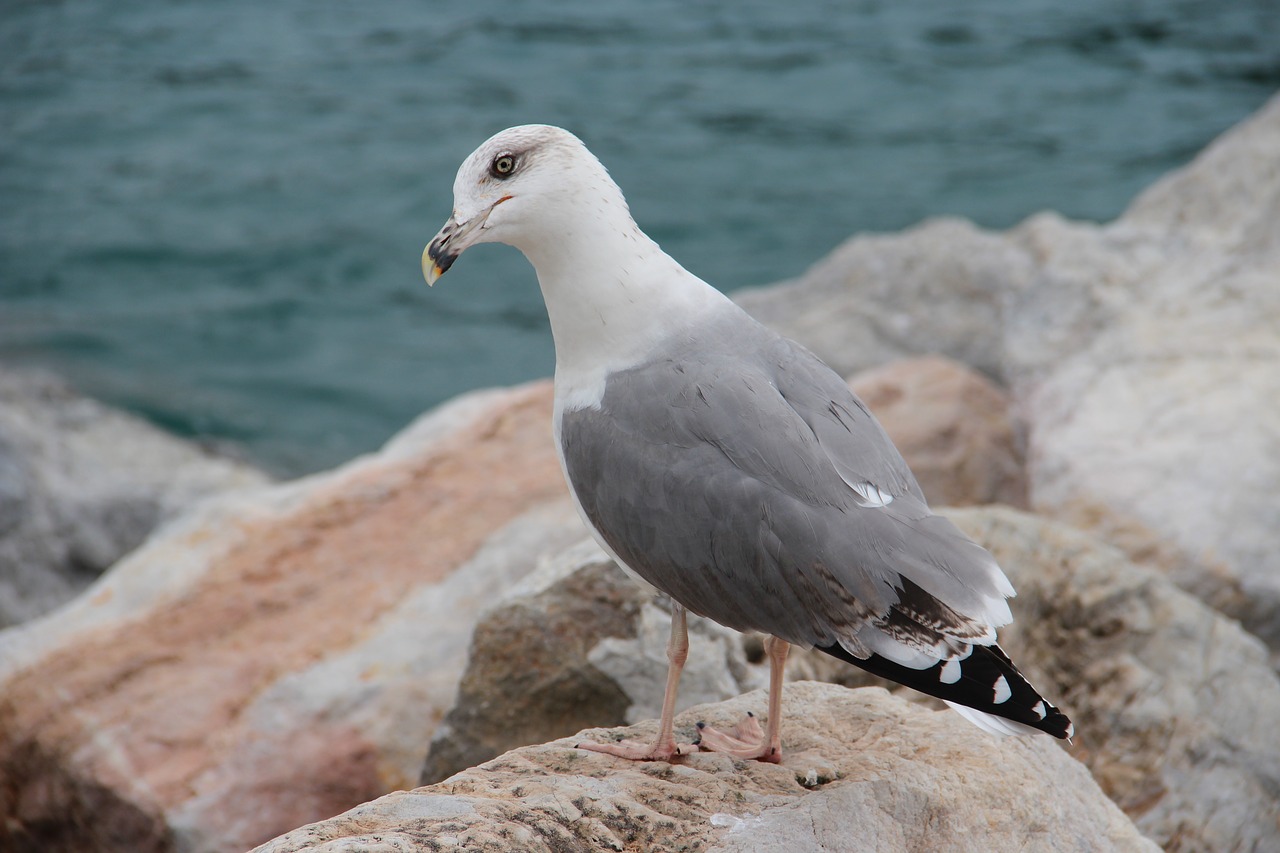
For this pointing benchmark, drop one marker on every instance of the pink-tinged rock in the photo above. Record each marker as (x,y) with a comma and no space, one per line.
(282,654)
(953,427)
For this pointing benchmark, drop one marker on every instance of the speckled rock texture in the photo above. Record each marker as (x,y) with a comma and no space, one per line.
(866,772)
(1175,705)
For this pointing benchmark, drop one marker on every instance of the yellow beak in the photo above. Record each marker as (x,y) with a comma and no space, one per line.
(430,269)
(453,240)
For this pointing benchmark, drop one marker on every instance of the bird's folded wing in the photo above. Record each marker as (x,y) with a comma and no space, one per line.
(779,510)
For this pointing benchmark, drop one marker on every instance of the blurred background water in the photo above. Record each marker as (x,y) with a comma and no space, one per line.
(212,213)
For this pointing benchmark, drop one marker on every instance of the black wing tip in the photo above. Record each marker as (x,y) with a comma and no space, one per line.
(1057,724)
(973,685)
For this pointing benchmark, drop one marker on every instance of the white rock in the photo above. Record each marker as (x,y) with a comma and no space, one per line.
(1146,360)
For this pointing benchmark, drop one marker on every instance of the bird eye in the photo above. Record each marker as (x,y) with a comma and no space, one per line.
(503,165)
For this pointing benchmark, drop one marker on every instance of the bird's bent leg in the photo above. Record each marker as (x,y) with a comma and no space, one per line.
(747,740)
(664,748)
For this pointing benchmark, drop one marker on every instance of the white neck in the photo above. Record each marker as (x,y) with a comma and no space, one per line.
(611,294)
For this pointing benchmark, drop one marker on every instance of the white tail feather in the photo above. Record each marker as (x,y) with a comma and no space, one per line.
(991,724)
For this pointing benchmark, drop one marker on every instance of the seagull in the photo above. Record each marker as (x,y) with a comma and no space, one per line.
(727,466)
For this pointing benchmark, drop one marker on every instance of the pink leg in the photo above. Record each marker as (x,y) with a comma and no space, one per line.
(665,747)
(747,740)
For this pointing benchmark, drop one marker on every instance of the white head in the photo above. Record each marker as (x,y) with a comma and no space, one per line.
(521,187)
(611,292)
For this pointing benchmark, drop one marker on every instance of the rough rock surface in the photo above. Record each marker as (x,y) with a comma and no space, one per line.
(1175,706)
(576,644)
(81,485)
(953,427)
(277,655)
(1143,356)
(865,772)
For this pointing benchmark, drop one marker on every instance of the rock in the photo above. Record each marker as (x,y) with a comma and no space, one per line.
(81,485)
(1175,706)
(865,772)
(1146,356)
(528,672)
(277,655)
(953,427)
(938,288)
(1173,703)
(1143,356)
(577,644)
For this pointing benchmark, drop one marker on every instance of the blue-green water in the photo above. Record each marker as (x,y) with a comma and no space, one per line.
(212,212)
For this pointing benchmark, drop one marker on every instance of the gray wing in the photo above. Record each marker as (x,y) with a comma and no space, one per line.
(733,485)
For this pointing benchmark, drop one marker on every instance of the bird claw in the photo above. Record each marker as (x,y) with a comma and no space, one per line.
(634,750)
(746,741)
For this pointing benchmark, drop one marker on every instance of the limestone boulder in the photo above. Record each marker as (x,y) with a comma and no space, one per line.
(865,772)
(1175,706)
(953,426)
(81,485)
(1145,357)
(278,655)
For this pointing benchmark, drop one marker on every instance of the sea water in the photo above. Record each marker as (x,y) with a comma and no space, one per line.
(212,213)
